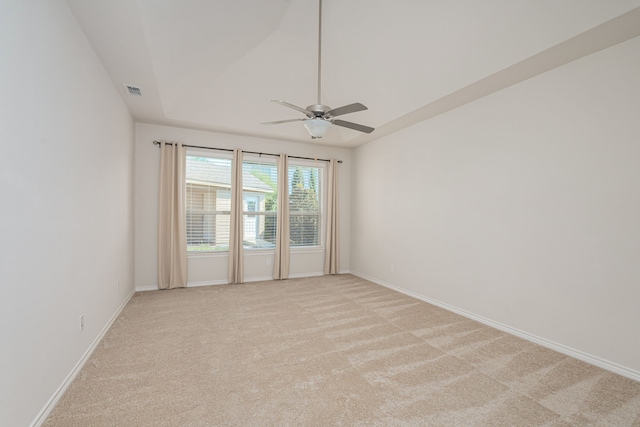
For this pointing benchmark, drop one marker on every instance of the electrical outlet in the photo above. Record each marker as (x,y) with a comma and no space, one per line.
(81,322)
(393,268)
(268,261)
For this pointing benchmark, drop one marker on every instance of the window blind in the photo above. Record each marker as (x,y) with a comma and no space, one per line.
(208,199)
(305,205)
(260,204)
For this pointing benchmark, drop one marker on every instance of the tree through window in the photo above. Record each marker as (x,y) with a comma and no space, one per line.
(208,203)
(305,205)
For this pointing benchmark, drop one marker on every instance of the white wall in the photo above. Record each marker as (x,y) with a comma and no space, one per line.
(212,268)
(66,216)
(522,207)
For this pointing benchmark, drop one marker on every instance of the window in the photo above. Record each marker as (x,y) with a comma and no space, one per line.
(260,204)
(305,205)
(208,199)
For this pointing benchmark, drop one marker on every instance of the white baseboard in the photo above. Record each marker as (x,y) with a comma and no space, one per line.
(257,279)
(580,355)
(302,275)
(48,407)
(291,276)
(246,280)
(206,283)
(146,288)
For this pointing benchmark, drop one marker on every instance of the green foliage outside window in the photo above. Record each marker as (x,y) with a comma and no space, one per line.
(304,208)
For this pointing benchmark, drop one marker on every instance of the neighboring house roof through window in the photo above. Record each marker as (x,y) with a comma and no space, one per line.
(219,177)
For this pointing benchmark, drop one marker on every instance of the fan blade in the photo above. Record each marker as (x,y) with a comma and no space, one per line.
(354,126)
(295,107)
(281,121)
(351,108)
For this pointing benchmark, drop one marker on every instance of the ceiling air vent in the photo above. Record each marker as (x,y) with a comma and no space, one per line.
(132,90)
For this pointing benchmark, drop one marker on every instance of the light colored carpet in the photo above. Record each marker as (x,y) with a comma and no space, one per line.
(325,351)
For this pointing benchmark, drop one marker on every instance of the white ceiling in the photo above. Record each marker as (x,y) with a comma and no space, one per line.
(216,64)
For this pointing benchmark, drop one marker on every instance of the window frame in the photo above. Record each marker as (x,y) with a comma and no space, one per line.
(213,154)
(322,165)
(292,162)
(272,161)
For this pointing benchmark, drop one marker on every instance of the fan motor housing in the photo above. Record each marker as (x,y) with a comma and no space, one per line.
(318,110)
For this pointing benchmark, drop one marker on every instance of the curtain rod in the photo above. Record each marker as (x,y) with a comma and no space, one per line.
(250,152)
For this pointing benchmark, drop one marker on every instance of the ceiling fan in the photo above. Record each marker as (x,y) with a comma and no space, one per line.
(319,117)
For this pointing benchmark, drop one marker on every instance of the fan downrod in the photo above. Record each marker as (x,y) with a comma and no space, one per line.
(319,111)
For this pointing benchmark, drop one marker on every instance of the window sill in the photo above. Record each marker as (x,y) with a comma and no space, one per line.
(218,254)
(255,252)
(307,250)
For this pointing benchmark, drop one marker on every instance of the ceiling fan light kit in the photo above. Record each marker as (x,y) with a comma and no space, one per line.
(317,127)
(319,117)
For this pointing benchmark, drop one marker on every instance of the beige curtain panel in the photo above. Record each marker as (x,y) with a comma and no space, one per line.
(236,236)
(332,252)
(281,258)
(172,224)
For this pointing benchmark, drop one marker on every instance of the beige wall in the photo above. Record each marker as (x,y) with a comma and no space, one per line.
(212,269)
(522,207)
(66,216)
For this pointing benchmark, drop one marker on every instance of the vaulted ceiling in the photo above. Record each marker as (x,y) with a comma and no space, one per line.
(217,64)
